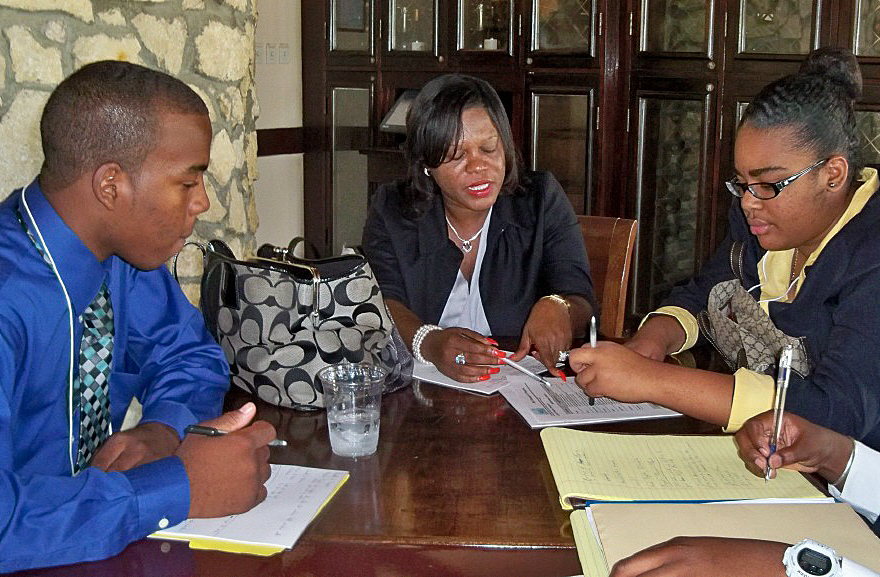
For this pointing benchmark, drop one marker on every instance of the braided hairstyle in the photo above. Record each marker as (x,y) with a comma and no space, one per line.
(816,104)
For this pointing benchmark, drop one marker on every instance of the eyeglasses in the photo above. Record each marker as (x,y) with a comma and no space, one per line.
(767,190)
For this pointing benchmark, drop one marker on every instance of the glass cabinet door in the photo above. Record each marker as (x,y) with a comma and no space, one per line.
(351,123)
(412,25)
(867,28)
(669,178)
(351,25)
(868,125)
(485,25)
(776,26)
(676,26)
(561,142)
(563,25)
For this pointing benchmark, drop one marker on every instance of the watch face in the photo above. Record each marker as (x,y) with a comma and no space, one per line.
(813,562)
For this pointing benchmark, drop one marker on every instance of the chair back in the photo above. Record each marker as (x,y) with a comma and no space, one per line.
(610,242)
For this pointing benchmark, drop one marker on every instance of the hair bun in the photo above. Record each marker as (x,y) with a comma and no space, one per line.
(838,65)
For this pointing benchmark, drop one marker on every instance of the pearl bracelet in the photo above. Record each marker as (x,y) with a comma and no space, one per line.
(417,341)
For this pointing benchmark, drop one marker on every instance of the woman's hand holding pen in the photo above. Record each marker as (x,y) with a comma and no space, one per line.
(448,347)
(803,446)
(612,370)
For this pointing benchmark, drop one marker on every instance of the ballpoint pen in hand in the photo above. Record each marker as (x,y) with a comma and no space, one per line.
(214,432)
(782,376)
(592,345)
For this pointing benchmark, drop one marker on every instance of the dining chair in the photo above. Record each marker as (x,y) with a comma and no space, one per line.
(610,242)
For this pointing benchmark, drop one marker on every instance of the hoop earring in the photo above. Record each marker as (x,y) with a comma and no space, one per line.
(426,171)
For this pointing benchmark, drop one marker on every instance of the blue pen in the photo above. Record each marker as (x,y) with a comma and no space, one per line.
(782,374)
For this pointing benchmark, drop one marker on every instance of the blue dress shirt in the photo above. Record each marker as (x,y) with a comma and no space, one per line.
(162,355)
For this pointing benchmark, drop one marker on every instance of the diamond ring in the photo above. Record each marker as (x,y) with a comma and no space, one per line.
(459,359)
(563,356)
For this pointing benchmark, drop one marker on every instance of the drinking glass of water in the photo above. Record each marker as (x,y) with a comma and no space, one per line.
(353,399)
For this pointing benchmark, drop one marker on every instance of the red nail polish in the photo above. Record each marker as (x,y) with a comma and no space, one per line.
(493,341)
(498,353)
(484,378)
(494,370)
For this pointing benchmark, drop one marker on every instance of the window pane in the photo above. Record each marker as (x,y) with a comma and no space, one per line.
(868,123)
(676,25)
(670,137)
(413,25)
(776,26)
(867,28)
(564,25)
(560,143)
(484,25)
(351,25)
(351,114)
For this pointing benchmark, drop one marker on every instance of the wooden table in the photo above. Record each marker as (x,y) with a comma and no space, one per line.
(460,486)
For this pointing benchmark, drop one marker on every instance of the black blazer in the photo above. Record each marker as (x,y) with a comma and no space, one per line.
(534,248)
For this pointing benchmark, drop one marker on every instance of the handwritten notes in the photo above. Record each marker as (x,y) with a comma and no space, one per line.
(295,496)
(610,467)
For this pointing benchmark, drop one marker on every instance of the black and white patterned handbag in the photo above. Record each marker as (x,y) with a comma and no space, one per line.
(280,320)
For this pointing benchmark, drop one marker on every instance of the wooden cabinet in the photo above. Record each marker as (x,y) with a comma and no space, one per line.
(632,105)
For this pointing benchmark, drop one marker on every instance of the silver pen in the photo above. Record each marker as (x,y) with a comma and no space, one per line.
(783,372)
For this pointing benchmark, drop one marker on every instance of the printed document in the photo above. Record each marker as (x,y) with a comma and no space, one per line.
(429,373)
(567,404)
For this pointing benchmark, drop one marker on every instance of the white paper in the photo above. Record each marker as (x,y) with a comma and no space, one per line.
(296,495)
(430,374)
(567,404)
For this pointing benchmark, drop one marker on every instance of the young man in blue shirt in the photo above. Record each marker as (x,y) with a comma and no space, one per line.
(125,150)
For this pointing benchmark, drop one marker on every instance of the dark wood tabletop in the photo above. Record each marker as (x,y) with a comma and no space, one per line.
(459,486)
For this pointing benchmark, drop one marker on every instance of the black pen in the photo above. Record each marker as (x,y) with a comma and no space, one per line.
(214,432)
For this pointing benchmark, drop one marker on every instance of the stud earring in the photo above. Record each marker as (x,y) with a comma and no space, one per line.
(832,184)
(426,171)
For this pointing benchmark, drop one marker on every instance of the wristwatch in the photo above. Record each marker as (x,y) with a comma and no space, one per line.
(809,558)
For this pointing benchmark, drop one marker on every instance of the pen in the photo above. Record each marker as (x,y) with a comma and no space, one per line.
(782,375)
(516,366)
(592,345)
(526,372)
(214,432)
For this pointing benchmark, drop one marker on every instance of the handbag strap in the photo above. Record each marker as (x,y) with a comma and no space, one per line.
(737,250)
(198,245)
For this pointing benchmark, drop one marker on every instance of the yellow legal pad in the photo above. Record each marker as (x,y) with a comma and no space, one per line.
(592,466)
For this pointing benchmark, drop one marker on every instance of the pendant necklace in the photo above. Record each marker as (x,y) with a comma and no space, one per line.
(466,245)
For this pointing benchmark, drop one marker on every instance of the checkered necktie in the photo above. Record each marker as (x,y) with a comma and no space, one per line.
(95,356)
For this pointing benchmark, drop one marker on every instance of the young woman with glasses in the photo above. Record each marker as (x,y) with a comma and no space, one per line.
(800,266)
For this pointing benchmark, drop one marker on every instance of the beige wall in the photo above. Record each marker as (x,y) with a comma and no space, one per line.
(209,44)
(279,189)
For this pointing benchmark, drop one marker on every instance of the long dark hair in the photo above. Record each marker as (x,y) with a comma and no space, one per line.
(433,125)
(816,103)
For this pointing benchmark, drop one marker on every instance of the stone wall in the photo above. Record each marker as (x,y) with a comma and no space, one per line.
(209,44)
